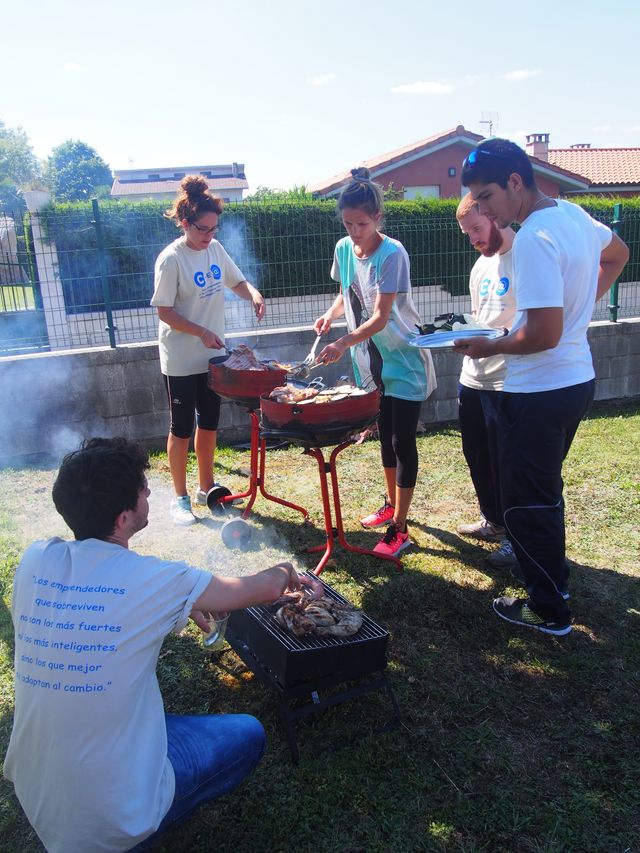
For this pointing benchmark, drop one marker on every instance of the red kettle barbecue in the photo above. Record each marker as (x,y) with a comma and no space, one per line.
(315,425)
(319,424)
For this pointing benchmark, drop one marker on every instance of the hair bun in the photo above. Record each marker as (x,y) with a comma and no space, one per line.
(194,186)
(360,173)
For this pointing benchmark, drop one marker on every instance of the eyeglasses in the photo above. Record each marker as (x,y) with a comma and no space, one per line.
(204,230)
(473,156)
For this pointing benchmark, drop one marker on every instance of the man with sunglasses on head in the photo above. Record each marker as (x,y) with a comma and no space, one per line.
(564,260)
(481,380)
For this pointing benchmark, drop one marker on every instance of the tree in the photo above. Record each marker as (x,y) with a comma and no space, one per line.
(75,171)
(296,193)
(18,165)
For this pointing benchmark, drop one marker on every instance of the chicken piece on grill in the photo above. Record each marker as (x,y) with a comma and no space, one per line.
(242,358)
(292,618)
(323,617)
(291,394)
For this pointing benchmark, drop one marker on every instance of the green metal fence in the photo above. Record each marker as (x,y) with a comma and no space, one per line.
(82,275)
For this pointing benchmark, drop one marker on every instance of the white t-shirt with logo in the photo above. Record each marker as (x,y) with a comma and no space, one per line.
(556,257)
(88,750)
(192,281)
(493,304)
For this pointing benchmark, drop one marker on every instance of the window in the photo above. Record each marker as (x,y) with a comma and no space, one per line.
(432,191)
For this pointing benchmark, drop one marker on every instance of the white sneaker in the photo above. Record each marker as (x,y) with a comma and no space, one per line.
(200,497)
(181,510)
(482,529)
(504,557)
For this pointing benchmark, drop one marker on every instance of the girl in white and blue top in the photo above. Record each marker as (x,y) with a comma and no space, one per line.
(375,299)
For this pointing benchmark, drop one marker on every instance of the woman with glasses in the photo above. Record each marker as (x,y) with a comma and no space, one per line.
(190,277)
(375,299)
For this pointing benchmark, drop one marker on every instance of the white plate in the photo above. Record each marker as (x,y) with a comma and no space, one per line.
(444,340)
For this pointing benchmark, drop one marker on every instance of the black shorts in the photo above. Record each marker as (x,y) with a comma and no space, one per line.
(189,395)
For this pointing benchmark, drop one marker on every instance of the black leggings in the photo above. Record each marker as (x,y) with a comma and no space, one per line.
(397,424)
(189,395)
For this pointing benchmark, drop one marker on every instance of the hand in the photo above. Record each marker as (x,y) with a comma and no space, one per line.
(293,580)
(322,325)
(332,352)
(211,340)
(474,347)
(201,620)
(258,304)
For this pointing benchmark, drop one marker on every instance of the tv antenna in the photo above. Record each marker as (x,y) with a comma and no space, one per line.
(490,120)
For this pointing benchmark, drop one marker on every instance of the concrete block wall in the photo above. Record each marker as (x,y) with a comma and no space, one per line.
(52,401)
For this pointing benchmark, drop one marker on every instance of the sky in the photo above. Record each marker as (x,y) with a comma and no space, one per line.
(298,91)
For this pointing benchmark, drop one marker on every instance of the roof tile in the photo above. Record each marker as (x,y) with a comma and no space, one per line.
(613,166)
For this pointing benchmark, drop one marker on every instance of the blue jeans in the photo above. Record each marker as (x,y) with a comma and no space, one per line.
(210,755)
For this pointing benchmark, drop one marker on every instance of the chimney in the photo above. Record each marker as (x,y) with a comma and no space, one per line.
(538,145)
(581,145)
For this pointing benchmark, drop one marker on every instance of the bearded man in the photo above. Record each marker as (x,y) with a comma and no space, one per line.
(493,304)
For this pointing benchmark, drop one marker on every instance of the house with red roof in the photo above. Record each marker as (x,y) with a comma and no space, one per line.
(430,168)
(610,171)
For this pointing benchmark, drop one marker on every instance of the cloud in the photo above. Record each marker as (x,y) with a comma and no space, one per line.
(321,79)
(423,87)
(72,66)
(522,74)
(602,128)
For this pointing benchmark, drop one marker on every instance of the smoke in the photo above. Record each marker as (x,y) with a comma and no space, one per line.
(201,544)
(35,517)
(235,241)
(36,424)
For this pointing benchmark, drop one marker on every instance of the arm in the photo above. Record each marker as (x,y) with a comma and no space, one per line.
(227,593)
(248,291)
(323,324)
(171,317)
(375,323)
(612,261)
(542,330)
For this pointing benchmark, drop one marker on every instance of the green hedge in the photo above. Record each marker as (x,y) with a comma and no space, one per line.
(285,248)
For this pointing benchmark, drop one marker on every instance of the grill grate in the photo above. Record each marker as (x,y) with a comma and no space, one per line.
(293,660)
(369,630)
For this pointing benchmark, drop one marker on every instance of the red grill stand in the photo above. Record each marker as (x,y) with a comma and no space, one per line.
(256,475)
(336,532)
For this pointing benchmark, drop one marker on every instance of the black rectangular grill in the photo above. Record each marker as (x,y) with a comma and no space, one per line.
(294,661)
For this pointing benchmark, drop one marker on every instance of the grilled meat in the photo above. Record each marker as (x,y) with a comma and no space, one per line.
(291,394)
(323,617)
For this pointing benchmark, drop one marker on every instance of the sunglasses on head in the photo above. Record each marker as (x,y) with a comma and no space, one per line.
(486,152)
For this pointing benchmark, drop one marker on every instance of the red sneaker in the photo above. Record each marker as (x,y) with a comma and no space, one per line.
(381,516)
(392,542)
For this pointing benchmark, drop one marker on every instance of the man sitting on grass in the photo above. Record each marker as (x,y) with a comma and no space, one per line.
(96,763)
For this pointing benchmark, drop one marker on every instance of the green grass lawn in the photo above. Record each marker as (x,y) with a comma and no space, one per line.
(510,740)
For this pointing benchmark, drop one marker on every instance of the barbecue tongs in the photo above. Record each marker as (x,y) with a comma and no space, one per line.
(304,369)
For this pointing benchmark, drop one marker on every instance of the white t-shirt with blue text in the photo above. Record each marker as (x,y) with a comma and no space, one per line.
(192,281)
(88,750)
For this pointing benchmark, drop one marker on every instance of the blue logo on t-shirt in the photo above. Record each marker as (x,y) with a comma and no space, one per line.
(199,279)
(503,287)
(217,272)
(484,286)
